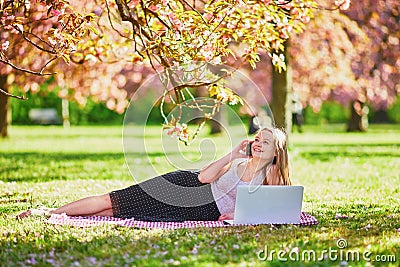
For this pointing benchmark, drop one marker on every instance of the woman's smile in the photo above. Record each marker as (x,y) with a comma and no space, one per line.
(257,149)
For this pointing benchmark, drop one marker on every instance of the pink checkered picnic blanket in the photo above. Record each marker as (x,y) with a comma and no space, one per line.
(79,221)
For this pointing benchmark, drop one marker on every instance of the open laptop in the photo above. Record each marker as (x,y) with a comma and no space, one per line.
(267,204)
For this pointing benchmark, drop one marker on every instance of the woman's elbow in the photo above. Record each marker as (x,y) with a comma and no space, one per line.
(203,178)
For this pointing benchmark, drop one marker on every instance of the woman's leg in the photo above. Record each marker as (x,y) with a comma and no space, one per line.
(86,206)
(95,205)
(107,213)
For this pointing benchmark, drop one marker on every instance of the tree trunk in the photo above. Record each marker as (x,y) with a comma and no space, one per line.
(4,102)
(380,116)
(358,121)
(220,118)
(281,91)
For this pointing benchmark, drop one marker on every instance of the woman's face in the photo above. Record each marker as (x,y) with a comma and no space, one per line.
(263,146)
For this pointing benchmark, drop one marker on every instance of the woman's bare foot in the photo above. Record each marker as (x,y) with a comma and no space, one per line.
(42,211)
(23,215)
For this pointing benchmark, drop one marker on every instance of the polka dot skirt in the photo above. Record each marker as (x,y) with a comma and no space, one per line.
(174,196)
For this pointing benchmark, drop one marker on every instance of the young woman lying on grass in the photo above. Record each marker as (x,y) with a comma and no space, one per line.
(207,195)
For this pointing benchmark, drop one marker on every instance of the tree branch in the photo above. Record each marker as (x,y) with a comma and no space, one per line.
(33,43)
(26,70)
(327,8)
(126,16)
(112,24)
(11,95)
(47,63)
(282,4)
(157,17)
(194,9)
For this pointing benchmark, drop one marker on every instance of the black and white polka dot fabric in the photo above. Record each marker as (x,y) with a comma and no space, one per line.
(174,196)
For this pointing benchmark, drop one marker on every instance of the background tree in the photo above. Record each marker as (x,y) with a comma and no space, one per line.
(318,61)
(324,58)
(379,69)
(337,58)
(33,35)
(355,64)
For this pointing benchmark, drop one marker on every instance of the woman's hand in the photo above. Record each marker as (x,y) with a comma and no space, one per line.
(240,150)
(213,171)
(226,216)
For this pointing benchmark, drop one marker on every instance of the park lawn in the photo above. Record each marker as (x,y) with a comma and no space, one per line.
(351,185)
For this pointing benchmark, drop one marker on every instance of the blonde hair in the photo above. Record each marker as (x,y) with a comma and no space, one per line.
(277,172)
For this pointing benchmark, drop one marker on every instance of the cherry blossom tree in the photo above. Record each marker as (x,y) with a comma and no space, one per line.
(43,39)
(161,33)
(33,35)
(355,64)
(351,57)
(175,33)
(379,69)
(324,58)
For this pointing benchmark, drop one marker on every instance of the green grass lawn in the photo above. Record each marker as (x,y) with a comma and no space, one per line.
(351,185)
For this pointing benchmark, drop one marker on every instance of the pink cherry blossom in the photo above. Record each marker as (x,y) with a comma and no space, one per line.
(5,45)
(52,41)
(165,2)
(343,4)
(208,16)
(266,2)
(133,3)
(154,8)
(56,12)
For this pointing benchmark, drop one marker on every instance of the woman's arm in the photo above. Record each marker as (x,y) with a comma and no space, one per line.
(213,171)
